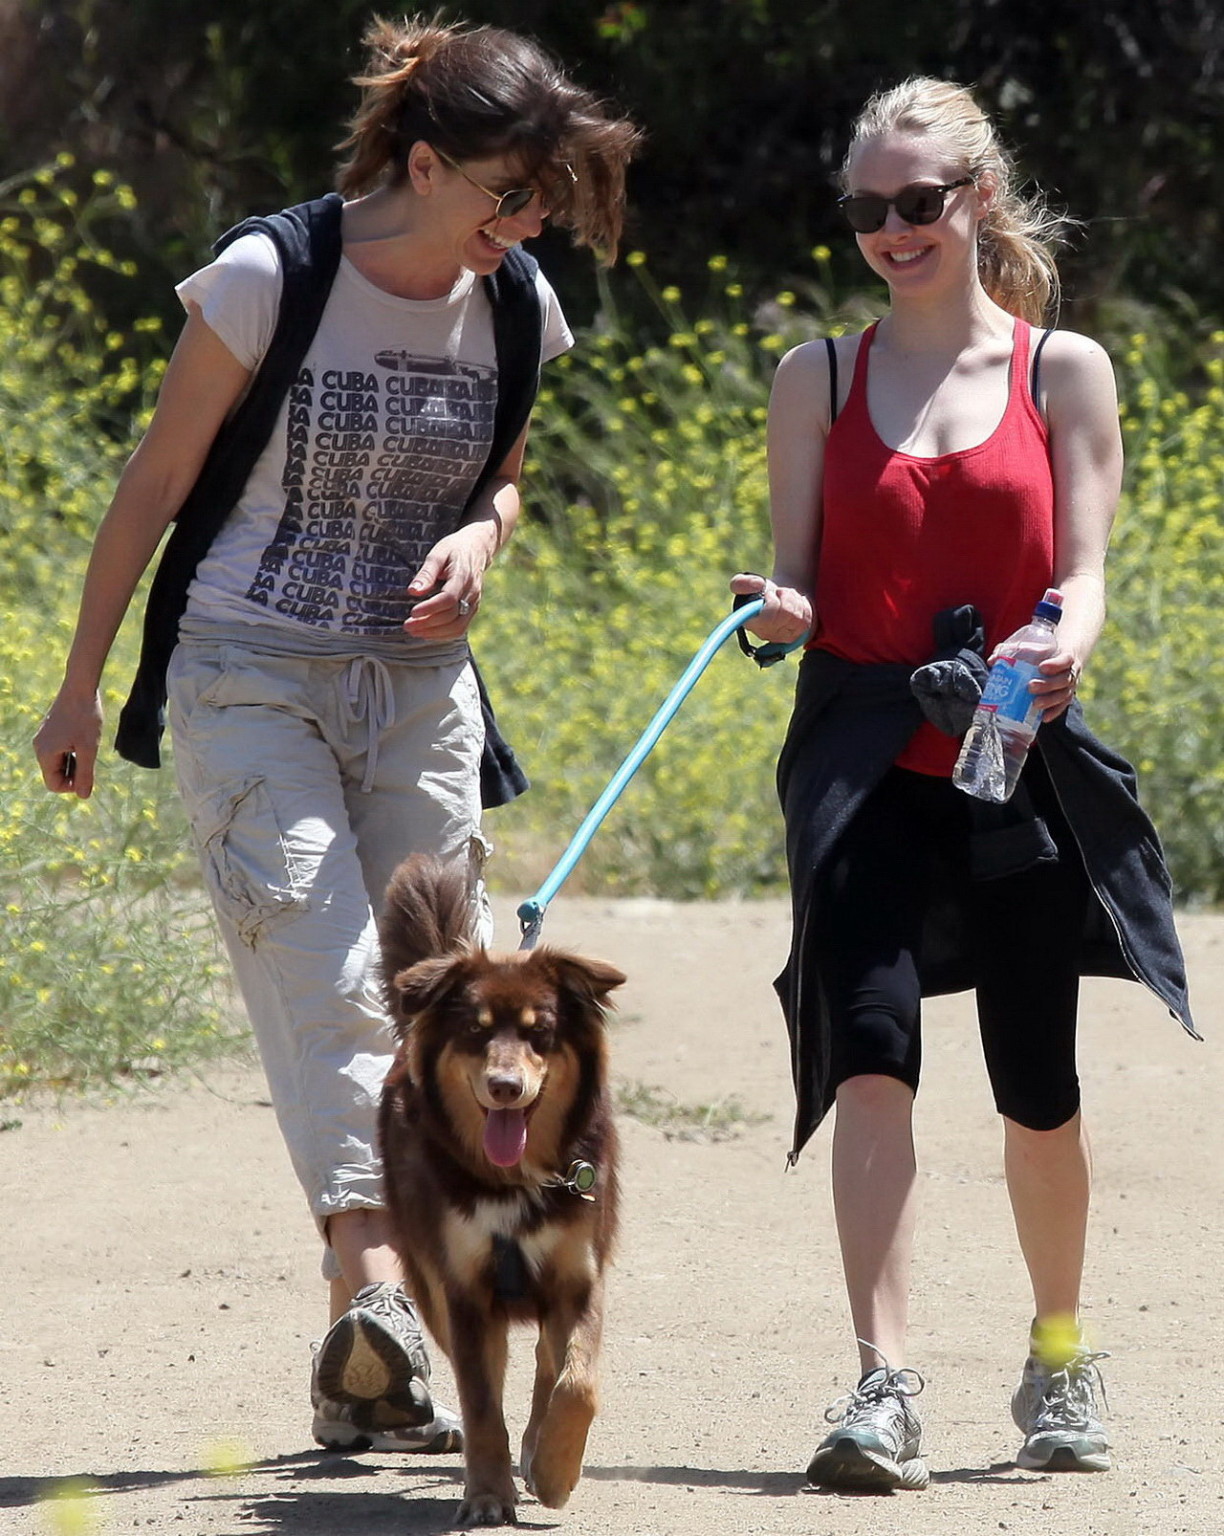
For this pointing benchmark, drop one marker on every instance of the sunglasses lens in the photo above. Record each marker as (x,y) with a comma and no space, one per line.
(920,205)
(514,202)
(865,213)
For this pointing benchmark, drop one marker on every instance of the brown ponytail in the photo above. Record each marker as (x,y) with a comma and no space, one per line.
(1019,235)
(396,53)
(475,92)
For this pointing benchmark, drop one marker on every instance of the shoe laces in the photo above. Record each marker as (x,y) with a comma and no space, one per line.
(1069,1395)
(388,1302)
(878,1390)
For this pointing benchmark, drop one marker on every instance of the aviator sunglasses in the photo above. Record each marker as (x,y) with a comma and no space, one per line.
(867,211)
(508,203)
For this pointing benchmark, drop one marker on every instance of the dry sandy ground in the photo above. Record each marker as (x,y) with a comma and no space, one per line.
(160,1288)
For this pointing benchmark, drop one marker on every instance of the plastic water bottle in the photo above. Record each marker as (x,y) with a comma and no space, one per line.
(1006,720)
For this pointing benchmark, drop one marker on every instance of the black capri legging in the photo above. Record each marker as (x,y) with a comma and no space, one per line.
(905,853)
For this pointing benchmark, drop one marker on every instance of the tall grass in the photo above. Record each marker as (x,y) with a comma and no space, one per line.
(646,489)
(1155,688)
(109,970)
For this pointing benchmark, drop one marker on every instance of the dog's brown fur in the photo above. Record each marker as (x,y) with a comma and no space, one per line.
(485,1245)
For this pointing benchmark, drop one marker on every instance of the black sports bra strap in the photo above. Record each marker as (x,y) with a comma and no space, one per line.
(1035,372)
(831,347)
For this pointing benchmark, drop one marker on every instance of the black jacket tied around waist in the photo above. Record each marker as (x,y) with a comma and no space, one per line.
(849,724)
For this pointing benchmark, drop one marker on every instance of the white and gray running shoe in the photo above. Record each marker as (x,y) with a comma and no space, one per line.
(370,1380)
(335,1429)
(875,1446)
(1056,1411)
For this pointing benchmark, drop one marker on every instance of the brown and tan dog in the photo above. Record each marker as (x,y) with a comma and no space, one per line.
(500,1161)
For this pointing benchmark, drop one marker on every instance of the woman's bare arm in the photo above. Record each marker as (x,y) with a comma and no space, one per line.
(202,384)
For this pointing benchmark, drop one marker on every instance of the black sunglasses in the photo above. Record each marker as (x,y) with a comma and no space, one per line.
(868,211)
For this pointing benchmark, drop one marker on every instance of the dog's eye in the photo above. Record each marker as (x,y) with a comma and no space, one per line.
(479,1022)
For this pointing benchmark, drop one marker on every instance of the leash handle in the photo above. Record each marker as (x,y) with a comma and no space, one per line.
(771,651)
(531,913)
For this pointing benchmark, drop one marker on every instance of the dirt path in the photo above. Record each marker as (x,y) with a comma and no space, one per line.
(160,1288)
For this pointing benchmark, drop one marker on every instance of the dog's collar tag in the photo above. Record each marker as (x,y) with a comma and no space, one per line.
(580,1177)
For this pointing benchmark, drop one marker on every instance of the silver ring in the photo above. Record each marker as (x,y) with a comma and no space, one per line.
(464,607)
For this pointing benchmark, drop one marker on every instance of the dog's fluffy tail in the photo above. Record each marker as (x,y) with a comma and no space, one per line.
(428,912)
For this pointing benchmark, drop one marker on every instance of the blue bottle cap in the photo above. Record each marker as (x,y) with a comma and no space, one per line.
(1050,606)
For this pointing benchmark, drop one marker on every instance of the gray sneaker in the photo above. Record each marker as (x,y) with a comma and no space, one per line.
(372,1365)
(876,1443)
(335,1429)
(1056,1411)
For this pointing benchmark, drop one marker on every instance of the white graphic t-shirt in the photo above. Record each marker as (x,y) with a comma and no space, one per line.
(375,452)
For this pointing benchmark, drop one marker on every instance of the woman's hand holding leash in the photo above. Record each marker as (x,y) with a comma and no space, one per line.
(787,614)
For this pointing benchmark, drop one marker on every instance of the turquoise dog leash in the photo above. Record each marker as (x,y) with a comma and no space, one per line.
(531,912)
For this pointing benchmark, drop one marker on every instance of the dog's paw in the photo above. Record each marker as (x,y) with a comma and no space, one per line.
(556,1464)
(552,1485)
(486,1509)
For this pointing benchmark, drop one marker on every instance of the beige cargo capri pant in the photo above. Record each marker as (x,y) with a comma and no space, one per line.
(306,780)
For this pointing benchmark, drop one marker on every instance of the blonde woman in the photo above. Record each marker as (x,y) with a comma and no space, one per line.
(929,479)
(338,440)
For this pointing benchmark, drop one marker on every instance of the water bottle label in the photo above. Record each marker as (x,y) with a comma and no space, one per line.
(1007,694)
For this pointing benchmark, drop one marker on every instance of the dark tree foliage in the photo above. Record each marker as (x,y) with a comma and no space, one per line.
(218,107)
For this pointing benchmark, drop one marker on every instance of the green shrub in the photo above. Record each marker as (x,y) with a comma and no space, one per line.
(73,392)
(110,970)
(1155,689)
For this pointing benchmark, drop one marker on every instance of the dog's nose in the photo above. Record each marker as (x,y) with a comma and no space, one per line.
(504,1087)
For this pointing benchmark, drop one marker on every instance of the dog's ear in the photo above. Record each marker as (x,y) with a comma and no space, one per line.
(423,985)
(588,980)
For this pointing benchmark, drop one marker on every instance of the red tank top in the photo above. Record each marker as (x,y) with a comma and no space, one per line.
(903,537)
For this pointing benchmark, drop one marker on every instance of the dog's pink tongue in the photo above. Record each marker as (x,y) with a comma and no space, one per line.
(505,1136)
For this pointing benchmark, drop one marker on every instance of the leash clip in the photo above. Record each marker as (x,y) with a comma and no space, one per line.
(531,920)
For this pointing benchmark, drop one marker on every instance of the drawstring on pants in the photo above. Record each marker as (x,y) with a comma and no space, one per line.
(368,696)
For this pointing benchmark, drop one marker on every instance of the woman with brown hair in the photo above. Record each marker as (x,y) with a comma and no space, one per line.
(338,441)
(929,479)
